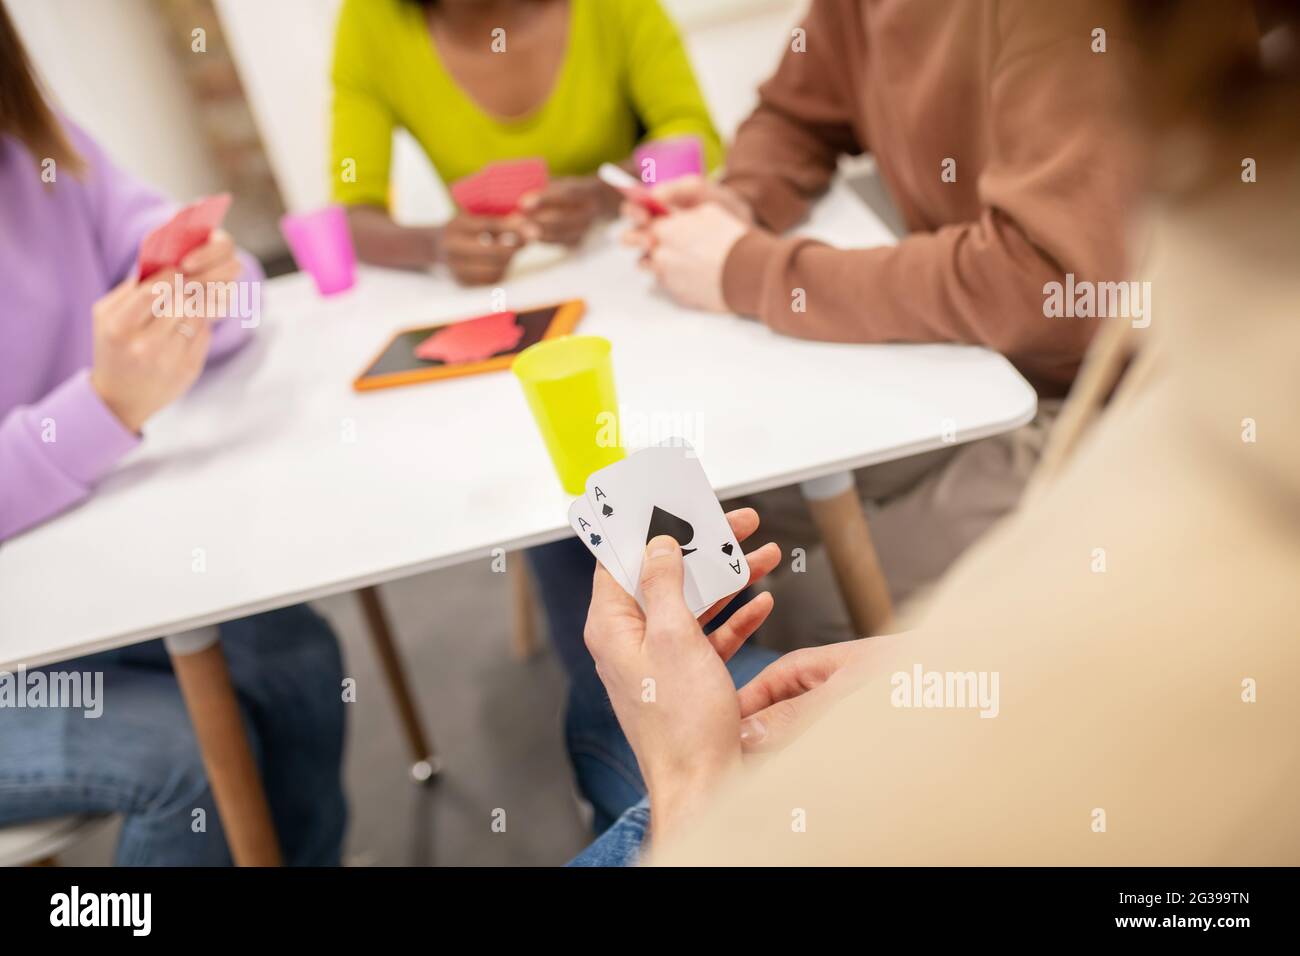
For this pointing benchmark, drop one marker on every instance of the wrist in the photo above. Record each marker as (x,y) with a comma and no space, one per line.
(738,204)
(677,796)
(744,269)
(130,420)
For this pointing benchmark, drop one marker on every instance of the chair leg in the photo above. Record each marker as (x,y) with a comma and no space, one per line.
(524,636)
(426,764)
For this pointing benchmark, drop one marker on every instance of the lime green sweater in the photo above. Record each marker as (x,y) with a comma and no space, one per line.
(625,78)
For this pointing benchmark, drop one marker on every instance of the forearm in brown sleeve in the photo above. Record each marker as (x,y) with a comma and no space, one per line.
(978,283)
(1054,195)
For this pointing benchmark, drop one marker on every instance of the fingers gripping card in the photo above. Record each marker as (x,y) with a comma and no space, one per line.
(664,490)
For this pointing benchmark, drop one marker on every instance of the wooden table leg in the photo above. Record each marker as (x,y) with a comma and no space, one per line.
(525,618)
(204,679)
(425,763)
(837,512)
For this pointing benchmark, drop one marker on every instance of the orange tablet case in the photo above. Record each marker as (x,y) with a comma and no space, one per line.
(565,318)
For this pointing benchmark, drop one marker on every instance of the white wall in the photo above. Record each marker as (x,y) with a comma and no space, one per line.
(107,66)
(283,51)
(735,50)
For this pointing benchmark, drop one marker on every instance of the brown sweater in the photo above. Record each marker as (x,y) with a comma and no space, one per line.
(1009,89)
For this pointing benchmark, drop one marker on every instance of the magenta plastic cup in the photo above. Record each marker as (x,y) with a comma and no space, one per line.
(672,157)
(321,244)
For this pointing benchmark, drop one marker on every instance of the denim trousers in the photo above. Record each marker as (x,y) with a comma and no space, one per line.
(140,757)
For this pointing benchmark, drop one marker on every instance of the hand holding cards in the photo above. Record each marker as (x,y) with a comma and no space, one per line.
(166,246)
(661,490)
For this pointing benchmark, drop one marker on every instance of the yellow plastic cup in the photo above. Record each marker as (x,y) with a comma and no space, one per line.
(569,384)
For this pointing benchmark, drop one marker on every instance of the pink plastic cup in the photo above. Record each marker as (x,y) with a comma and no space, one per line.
(673,157)
(321,244)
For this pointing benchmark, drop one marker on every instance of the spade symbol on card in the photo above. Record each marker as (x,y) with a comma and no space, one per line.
(606,510)
(665,522)
(726,549)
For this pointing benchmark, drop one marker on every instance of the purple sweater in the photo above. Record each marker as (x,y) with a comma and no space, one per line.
(62,247)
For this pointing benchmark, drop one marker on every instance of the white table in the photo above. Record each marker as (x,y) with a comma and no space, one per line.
(288,485)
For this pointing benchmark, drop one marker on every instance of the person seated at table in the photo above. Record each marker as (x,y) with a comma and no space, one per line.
(1088,684)
(992,125)
(87,363)
(574,82)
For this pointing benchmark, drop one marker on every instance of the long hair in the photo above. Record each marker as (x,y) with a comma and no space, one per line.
(24,111)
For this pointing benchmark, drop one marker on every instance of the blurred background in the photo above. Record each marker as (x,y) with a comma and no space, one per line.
(248,113)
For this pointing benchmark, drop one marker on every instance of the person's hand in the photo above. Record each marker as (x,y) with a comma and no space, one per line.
(687,192)
(788,694)
(145,355)
(566,208)
(216,261)
(688,250)
(666,680)
(144,362)
(478,249)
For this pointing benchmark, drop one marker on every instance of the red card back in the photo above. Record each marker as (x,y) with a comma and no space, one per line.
(472,340)
(171,242)
(495,190)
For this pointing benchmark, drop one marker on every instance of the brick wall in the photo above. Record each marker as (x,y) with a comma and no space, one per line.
(226,122)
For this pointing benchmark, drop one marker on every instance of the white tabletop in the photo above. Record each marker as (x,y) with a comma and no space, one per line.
(255,466)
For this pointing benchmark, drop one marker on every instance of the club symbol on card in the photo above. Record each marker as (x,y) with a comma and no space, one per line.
(726,549)
(606,510)
(665,522)
(596,539)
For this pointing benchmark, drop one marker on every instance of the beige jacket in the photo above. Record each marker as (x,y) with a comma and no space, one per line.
(1125,731)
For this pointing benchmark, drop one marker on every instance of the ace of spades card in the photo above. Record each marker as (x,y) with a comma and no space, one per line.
(664,490)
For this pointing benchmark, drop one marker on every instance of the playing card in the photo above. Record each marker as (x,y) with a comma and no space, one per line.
(469,193)
(631,189)
(664,490)
(585,526)
(495,190)
(472,340)
(171,242)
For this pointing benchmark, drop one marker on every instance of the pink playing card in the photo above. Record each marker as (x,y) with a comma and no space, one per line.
(495,190)
(171,242)
(468,193)
(472,340)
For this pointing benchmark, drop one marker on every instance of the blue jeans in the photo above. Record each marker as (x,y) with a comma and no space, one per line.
(620,845)
(140,757)
(603,762)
